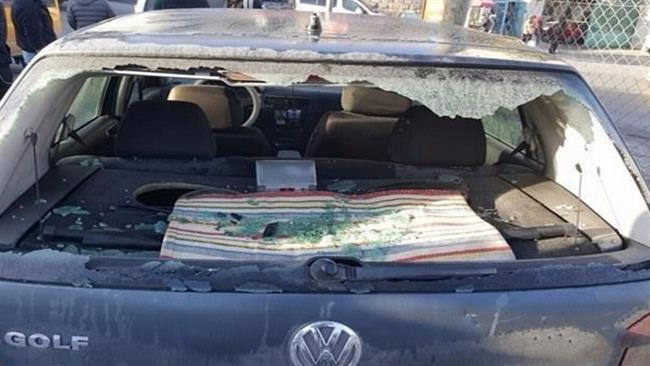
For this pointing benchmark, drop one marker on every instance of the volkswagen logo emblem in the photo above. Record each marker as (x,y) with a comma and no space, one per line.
(325,343)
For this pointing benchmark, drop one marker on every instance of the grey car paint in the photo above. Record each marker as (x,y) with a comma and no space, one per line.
(169,313)
(136,312)
(578,326)
(283,36)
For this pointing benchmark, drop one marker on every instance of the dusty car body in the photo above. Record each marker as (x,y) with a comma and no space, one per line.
(82,276)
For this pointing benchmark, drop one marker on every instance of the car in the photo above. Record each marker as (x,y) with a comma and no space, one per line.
(55,12)
(345,6)
(307,190)
(147,5)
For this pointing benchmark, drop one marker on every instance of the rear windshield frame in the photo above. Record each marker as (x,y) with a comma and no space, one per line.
(634,254)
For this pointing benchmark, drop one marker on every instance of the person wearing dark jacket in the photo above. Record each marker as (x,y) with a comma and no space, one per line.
(33,26)
(556,35)
(82,13)
(6,77)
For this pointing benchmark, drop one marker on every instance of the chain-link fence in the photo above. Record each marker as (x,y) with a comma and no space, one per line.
(607,41)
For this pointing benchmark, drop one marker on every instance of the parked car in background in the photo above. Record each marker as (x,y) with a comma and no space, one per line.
(250,187)
(338,6)
(53,7)
(147,5)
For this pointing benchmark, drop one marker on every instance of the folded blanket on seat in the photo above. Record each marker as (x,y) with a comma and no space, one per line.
(395,225)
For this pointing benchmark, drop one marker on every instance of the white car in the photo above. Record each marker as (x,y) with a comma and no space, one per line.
(146,5)
(319,6)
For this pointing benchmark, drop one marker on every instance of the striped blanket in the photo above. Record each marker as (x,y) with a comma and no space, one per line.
(396,225)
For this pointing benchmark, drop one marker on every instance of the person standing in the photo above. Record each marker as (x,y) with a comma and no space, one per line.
(532,32)
(539,30)
(489,20)
(33,26)
(556,35)
(82,13)
(527,34)
(6,77)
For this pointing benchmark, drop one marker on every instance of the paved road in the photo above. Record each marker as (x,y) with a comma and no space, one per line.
(623,86)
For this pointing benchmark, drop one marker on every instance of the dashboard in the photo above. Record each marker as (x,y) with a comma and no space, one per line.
(290,114)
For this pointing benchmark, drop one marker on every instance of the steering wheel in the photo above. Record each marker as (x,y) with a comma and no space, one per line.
(243,92)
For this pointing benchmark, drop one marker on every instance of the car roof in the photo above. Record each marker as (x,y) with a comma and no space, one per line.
(281,35)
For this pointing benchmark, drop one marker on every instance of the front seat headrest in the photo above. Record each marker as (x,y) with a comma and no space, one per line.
(373,101)
(165,130)
(212,99)
(422,138)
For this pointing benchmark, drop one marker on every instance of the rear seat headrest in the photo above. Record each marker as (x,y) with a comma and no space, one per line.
(165,130)
(373,101)
(212,99)
(425,139)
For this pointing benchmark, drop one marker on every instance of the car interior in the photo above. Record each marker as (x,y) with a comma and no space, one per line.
(132,146)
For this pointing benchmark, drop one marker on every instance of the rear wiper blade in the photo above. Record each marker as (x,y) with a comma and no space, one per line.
(103,239)
(340,270)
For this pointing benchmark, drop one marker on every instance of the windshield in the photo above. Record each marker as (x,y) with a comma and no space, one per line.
(265,162)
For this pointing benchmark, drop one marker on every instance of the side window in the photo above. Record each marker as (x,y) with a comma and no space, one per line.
(135,94)
(351,5)
(317,2)
(505,125)
(87,105)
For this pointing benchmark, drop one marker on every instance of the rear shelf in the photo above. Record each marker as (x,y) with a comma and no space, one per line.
(528,200)
(106,204)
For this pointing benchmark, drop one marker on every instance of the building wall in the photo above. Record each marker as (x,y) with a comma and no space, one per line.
(456,11)
(450,11)
(396,7)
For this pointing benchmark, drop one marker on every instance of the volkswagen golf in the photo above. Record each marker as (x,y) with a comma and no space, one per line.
(230,187)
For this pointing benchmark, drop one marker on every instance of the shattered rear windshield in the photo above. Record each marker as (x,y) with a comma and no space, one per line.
(254,163)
